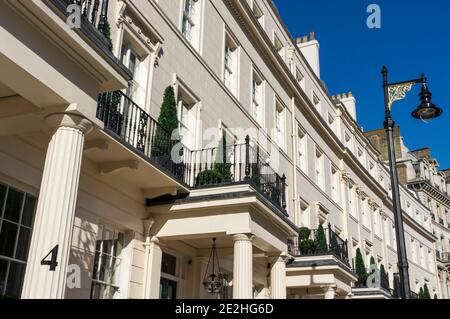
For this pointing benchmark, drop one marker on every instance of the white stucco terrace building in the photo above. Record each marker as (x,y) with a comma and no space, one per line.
(86,177)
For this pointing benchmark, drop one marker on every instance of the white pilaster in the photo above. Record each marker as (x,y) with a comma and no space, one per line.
(278,277)
(243,266)
(152,269)
(56,207)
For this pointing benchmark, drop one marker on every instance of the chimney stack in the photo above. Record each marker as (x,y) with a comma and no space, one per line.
(349,102)
(309,47)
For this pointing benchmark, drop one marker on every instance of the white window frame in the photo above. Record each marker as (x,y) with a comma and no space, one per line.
(191,21)
(257,97)
(20,226)
(112,262)
(231,64)
(280,124)
(302,149)
(179,269)
(319,175)
(335,185)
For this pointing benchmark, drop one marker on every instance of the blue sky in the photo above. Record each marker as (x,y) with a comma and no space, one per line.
(414,38)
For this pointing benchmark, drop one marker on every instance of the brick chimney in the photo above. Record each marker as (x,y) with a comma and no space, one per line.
(309,47)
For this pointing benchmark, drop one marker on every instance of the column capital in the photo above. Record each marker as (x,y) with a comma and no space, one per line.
(243,237)
(72,120)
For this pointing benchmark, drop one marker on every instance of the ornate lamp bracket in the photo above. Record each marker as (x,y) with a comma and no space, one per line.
(398,92)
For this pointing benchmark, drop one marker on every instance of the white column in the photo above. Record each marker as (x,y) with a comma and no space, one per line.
(152,269)
(278,277)
(56,207)
(330,292)
(243,266)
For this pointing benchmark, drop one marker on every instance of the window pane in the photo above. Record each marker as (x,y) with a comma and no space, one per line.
(13,205)
(107,241)
(2,197)
(28,211)
(96,261)
(118,244)
(115,271)
(23,244)
(95,292)
(105,270)
(15,280)
(168,264)
(7,239)
(167,289)
(3,267)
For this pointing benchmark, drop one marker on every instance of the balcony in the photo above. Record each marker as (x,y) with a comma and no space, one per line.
(395,292)
(223,166)
(320,259)
(309,245)
(377,289)
(443,257)
(94,27)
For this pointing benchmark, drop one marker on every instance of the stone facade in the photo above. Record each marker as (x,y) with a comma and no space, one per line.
(126,221)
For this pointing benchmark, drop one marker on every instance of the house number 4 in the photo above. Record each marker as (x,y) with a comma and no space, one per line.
(50,259)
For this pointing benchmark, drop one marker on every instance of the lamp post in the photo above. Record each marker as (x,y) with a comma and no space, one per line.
(425,111)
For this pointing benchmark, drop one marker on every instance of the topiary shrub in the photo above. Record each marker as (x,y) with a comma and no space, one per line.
(360,268)
(436,296)
(221,167)
(106,31)
(304,233)
(305,244)
(168,122)
(426,292)
(221,171)
(321,241)
(421,294)
(382,270)
(372,264)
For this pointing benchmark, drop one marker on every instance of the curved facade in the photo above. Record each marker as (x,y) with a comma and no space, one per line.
(264,152)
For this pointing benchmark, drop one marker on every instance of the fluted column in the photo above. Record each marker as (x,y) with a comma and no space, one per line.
(330,292)
(56,207)
(152,275)
(278,277)
(243,266)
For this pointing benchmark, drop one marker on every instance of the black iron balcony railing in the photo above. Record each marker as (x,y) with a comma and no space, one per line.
(94,11)
(396,291)
(223,165)
(138,130)
(94,19)
(384,280)
(312,243)
(238,163)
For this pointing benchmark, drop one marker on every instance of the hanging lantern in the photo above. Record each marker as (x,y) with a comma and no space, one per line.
(215,281)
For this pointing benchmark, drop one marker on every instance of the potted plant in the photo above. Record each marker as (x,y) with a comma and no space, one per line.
(305,244)
(321,241)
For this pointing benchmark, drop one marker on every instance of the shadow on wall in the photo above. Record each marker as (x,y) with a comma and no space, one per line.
(82,254)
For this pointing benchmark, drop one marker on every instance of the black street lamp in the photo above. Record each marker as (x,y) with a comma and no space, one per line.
(425,111)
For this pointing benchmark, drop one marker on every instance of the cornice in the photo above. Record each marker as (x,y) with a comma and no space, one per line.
(425,186)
